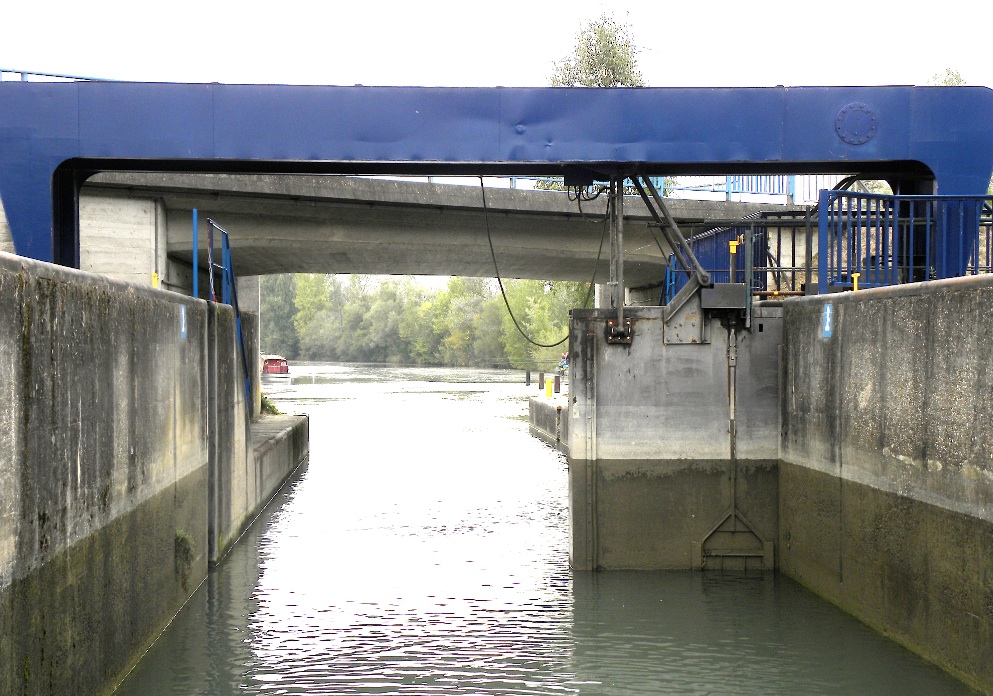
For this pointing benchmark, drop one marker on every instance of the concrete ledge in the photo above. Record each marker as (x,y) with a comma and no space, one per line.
(278,445)
(549,421)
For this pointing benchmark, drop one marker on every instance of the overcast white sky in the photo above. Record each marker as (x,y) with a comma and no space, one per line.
(760,43)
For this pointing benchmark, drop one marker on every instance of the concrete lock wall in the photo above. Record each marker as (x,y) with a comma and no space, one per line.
(125,468)
(243,478)
(886,478)
(103,473)
(650,468)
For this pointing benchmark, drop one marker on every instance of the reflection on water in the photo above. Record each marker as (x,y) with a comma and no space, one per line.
(423,550)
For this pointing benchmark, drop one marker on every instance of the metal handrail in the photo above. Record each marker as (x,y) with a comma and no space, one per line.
(229,286)
(893,239)
(26,75)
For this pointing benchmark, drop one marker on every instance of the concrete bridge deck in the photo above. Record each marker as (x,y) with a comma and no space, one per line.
(340,224)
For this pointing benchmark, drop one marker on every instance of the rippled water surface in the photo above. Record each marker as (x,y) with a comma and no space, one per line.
(424,550)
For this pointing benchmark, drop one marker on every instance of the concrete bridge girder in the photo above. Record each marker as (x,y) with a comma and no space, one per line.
(336,224)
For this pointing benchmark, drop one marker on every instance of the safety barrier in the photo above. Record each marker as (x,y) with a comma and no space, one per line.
(229,285)
(872,240)
(860,240)
(768,252)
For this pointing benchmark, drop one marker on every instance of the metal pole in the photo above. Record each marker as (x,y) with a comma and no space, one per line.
(618,232)
(808,260)
(210,259)
(732,418)
(196,257)
(612,283)
(226,262)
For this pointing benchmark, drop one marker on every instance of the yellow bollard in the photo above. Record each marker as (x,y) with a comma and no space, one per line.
(548,388)
(855,282)
(155,280)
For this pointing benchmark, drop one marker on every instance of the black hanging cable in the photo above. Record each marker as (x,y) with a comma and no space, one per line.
(503,292)
(599,253)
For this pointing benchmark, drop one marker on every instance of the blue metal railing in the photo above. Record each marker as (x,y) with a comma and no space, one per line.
(756,259)
(878,240)
(801,188)
(862,240)
(228,283)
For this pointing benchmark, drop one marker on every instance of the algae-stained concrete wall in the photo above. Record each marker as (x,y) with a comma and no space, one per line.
(241,481)
(232,489)
(650,448)
(124,453)
(103,473)
(886,478)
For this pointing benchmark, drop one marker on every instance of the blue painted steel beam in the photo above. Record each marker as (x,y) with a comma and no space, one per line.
(53,135)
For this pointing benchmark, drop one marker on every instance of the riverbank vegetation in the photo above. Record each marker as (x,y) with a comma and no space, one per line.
(394,319)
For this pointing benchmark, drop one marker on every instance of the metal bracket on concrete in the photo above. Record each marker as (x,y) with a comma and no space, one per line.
(620,335)
(724,296)
(684,321)
(687,324)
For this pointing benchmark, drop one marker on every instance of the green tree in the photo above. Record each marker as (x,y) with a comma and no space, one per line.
(389,303)
(487,346)
(542,310)
(418,329)
(311,297)
(605,56)
(948,78)
(277,309)
(458,325)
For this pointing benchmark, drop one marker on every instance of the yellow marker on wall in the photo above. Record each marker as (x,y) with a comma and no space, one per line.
(855,281)
(155,279)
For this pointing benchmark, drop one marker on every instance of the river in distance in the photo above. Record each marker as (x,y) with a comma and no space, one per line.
(423,549)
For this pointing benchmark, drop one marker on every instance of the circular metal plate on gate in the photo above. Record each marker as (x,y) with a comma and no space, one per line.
(856,124)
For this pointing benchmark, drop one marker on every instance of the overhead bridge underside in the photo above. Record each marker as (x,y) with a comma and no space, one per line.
(339,224)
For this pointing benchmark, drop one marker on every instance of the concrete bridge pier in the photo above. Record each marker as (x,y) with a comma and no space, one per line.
(661,474)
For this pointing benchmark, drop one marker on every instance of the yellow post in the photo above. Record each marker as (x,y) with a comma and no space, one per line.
(734,250)
(155,279)
(548,388)
(855,281)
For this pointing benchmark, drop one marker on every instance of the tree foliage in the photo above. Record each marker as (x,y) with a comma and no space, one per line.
(948,78)
(278,331)
(394,320)
(605,56)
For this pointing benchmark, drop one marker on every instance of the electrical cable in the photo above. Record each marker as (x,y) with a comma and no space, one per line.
(503,292)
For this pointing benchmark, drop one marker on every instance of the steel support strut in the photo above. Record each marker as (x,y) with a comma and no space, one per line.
(680,247)
(619,329)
